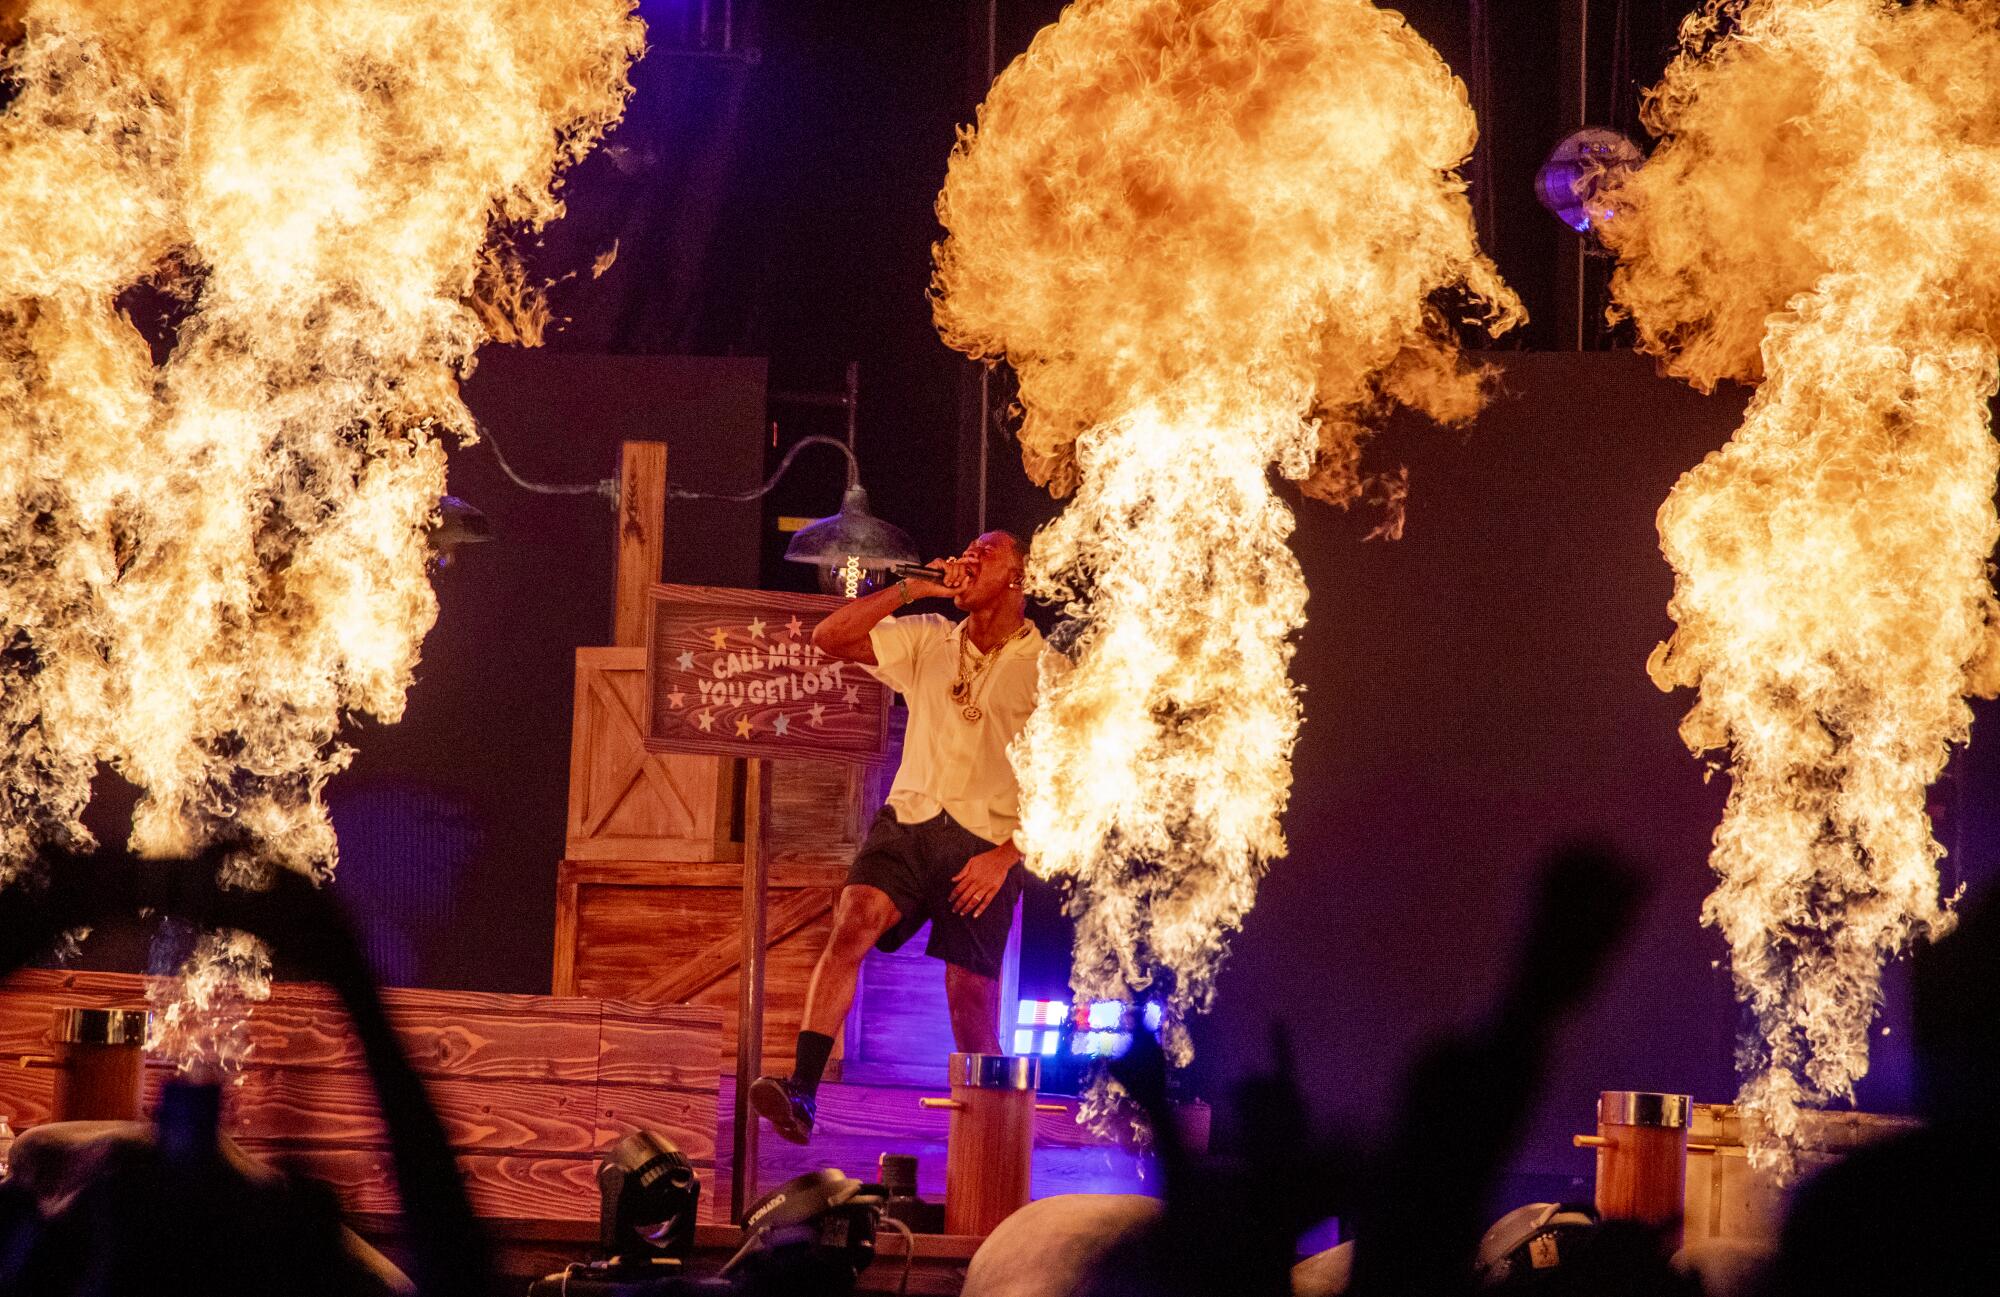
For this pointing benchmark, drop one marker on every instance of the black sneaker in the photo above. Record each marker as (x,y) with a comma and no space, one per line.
(786,1104)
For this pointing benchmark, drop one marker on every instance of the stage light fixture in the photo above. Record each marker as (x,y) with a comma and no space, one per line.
(648,1196)
(1571,182)
(813,1234)
(1526,1249)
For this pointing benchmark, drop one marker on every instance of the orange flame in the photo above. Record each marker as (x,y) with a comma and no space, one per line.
(1820,216)
(210,561)
(1207,234)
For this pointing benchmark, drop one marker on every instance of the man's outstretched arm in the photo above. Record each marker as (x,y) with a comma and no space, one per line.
(844,632)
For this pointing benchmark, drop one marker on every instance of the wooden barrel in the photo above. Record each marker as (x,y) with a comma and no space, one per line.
(1642,1157)
(100,1064)
(989,1154)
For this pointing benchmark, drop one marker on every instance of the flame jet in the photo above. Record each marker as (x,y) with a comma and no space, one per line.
(1211,237)
(1819,218)
(208,560)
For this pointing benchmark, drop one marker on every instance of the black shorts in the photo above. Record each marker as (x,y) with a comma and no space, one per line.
(915,864)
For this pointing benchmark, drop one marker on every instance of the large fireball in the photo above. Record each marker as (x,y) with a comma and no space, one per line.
(1820,218)
(211,556)
(1212,237)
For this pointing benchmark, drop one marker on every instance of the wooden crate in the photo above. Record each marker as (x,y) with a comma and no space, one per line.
(666,930)
(530,1088)
(626,803)
(669,933)
(648,897)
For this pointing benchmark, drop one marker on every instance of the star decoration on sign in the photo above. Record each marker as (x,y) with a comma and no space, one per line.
(719,639)
(794,626)
(817,711)
(703,721)
(782,725)
(756,628)
(742,727)
(686,660)
(675,699)
(853,696)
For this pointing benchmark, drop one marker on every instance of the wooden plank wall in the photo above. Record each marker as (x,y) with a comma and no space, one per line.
(626,803)
(664,928)
(530,1088)
(664,933)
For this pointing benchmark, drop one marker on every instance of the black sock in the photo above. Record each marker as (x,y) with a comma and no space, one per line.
(813,1052)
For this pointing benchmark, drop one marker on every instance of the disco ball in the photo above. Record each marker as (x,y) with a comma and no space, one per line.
(1578,170)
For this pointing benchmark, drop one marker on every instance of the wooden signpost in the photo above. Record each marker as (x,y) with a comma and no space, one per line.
(735,673)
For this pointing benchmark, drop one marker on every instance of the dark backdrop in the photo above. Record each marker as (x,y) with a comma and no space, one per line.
(451,823)
(1474,692)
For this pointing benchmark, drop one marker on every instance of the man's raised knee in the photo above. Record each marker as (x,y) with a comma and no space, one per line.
(862,915)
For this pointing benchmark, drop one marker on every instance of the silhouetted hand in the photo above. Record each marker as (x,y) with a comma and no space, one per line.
(1587,898)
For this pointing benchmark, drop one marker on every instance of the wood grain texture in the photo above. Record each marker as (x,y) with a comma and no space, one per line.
(879,1111)
(636,1047)
(625,802)
(487,1042)
(789,911)
(900,1019)
(639,847)
(448,1034)
(735,673)
(529,1089)
(686,1115)
(298,1107)
(989,1158)
(562,975)
(27,1095)
(630,936)
(641,536)
(547,1188)
(817,809)
(721,873)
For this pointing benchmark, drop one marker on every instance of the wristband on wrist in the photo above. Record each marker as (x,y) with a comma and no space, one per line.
(903,592)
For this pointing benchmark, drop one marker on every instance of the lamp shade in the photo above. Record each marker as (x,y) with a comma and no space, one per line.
(853,534)
(458,524)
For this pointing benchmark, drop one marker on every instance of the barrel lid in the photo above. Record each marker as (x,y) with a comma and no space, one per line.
(996,1071)
(1643,1108)
(81,1026)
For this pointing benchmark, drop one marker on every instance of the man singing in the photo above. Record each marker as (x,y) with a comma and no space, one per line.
(942,849)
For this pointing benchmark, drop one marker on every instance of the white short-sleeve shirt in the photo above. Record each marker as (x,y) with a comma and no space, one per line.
(950,763)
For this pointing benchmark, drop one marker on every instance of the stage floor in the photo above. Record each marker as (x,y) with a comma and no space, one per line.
(858,1122)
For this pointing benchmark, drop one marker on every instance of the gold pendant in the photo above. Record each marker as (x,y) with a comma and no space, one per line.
(971,714)
(958,691)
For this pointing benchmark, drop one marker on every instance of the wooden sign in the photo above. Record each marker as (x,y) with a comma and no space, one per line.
(735,672)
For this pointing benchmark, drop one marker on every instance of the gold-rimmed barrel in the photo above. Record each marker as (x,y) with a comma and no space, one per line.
(989,1155)
(1641,1145)
(100,1063)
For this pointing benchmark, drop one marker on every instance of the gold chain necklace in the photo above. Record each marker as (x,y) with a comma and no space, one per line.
(965,689)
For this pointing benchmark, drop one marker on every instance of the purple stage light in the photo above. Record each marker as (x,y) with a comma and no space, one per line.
(1578,170)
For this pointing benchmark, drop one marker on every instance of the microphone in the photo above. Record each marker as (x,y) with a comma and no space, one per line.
(918,571)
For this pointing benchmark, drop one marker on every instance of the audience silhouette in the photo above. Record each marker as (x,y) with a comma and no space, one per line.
(105,1210)
(178,1213)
